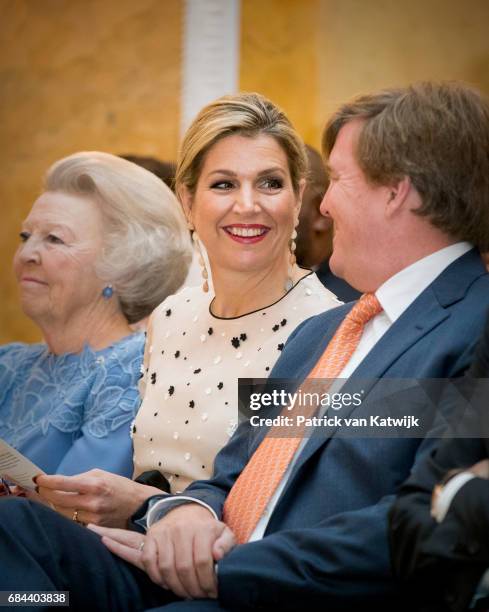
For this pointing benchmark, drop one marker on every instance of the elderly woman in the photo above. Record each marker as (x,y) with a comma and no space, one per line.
(240,178)
(103,244)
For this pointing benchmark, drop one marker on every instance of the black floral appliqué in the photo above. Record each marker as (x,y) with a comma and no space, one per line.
(235,342)
(243,337)
(153,378)
(197,371)
(283,322)
(191,404)
(220,386)
(171,390)
(276,327)
(280,346)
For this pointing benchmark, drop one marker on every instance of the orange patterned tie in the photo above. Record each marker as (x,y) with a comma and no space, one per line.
(257,482)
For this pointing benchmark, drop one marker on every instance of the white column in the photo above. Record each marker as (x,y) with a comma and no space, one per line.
(210,54)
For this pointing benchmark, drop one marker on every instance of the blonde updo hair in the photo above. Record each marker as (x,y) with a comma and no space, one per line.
(246,114)
(147,250)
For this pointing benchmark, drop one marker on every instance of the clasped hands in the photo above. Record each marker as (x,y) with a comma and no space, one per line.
(178,552)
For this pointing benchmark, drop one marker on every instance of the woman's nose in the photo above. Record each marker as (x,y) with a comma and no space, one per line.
(246,200)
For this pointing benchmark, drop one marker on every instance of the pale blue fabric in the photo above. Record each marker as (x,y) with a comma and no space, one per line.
(71,413)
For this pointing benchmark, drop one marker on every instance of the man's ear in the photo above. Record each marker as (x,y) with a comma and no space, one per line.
(185,198)
(398,194)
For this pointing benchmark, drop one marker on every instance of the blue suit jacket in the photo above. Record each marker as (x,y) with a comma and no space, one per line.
(326,546)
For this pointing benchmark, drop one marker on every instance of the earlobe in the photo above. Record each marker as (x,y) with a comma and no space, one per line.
(397,195)
(186,201)
(302,187)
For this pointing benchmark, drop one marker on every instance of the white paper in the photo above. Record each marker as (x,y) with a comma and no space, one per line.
(16,468)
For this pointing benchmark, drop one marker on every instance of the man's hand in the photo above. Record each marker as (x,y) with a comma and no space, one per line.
(179,551)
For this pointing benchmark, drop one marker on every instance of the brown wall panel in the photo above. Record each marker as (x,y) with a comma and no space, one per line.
(79,75)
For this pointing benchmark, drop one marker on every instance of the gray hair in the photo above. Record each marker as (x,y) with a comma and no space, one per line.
(147,249)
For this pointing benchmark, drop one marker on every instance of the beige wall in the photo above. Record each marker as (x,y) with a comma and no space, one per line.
(88,74)
(368,44)
(78,75)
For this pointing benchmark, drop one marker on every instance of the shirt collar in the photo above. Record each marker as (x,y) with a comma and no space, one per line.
(400,291)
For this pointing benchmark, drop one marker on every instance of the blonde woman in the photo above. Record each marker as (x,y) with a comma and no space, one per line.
(240,178)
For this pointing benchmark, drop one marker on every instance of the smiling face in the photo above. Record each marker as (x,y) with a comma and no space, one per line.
(358,211)
(244,206)
(55,262)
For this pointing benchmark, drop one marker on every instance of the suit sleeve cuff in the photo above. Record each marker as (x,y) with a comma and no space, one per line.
(444,500)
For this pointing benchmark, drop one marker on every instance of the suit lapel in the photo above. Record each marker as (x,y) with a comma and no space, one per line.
(424,314)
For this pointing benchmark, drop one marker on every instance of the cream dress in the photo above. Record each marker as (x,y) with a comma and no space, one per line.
(192,364)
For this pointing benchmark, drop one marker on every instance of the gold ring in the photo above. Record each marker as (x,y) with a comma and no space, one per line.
(141,545)
(75,516)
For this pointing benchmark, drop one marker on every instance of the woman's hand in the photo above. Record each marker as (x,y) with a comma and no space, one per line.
(97,497)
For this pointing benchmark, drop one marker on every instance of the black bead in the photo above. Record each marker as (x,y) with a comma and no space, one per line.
(171,390)
(191,404)
(177,354)
(276,327)
(220,386)
(134,429)
(283,322)
(197,371)
(242,337)
(235,342)
(153,378)
(280,346)
(210,331)
(168,312)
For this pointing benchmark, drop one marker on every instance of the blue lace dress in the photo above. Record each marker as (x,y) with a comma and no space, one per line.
(71,413)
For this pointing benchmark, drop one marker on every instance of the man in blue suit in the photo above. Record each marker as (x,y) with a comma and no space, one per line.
(409,193)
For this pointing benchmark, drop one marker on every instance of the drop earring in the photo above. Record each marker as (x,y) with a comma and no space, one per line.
(289,283)
(203,269)
(107,292)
